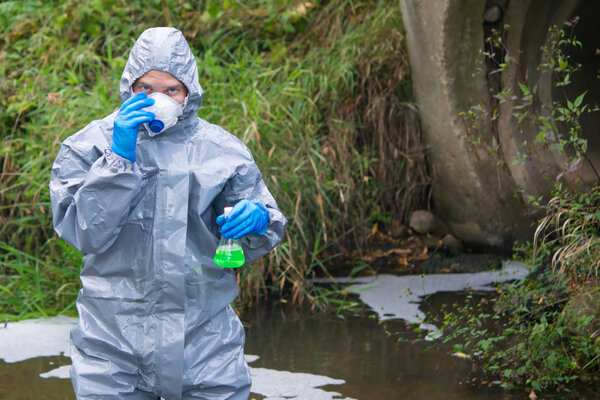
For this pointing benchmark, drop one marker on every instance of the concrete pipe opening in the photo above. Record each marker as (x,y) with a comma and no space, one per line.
(479,193)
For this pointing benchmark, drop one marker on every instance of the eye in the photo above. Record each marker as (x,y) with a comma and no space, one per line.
(146,88)
(172,90)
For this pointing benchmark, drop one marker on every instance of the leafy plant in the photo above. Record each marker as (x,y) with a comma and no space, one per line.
(534,334)
(543,333)
(558,124)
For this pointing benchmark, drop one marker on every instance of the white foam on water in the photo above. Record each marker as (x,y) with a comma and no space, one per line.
(60,372)
(398,297)
(23,340)
(250,358)
(35,338)
(280,385)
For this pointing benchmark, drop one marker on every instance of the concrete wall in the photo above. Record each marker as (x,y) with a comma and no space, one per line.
(479,191)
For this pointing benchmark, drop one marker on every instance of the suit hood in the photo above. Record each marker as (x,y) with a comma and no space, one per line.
(163,49)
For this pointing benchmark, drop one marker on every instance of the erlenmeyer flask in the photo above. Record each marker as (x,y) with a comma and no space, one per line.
(229,252)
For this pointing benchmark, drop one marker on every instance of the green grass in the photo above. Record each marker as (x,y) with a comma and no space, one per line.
(314,89)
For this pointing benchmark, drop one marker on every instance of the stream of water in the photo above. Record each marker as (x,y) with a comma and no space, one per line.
(303,355)
(376,360)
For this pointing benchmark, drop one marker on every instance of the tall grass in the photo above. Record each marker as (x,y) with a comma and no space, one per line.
(569,234)
(319,91)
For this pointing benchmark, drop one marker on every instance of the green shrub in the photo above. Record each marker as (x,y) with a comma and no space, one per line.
(543,333)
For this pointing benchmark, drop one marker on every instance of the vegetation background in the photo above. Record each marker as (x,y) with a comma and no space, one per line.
(320,92)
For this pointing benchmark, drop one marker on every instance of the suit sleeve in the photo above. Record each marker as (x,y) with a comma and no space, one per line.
(248,184)
(91,191)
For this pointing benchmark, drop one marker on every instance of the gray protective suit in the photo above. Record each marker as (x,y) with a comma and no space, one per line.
(154,314)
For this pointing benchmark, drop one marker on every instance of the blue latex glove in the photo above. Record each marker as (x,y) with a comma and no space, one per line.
(127,123)
(246,218)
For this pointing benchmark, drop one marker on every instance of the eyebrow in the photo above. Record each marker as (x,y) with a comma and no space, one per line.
(141,81)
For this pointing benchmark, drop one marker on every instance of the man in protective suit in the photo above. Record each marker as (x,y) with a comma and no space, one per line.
(143,200)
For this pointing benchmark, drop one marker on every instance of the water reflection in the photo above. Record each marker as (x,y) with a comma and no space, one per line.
(375,365)
(377,360)
(22,381)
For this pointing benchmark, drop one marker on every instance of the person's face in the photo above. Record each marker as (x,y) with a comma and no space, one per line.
(162,82)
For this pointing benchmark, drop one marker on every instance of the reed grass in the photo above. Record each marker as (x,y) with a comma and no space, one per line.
(569,234)
(319,91)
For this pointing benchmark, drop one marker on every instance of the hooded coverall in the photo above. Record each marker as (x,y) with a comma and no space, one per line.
(154,313)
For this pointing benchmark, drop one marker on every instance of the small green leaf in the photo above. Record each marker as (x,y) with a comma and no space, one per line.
(525,89)
(579,99)
(214,10)
(541,136)
(563,64)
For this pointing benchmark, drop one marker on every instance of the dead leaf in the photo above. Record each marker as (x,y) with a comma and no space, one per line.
(374,229)
(398,251)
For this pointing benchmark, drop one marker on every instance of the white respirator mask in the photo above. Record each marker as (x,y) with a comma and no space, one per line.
(166,112)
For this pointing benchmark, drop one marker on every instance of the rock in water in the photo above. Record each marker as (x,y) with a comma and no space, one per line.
(421,221)
(452,244)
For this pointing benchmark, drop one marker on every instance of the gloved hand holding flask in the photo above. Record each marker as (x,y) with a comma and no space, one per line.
(246,218)
(127,123)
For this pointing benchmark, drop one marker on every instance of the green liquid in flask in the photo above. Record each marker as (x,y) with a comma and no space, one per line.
(229,255)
